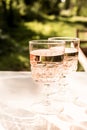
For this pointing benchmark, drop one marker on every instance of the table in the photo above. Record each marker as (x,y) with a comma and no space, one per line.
(14,95)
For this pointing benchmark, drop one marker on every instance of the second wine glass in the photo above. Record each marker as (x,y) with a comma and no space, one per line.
(70,66)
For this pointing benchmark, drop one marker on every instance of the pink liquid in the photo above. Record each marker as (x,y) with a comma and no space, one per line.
(46,64)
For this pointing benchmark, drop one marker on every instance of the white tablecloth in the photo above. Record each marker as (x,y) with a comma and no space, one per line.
(14,93)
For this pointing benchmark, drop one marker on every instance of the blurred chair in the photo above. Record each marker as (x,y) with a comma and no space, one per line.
(82,34)
(82,59)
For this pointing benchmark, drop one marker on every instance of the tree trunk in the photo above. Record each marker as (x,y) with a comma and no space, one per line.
(4,10)
(10,14)
(67,4)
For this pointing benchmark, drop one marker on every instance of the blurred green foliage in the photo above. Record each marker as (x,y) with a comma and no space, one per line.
(25,20)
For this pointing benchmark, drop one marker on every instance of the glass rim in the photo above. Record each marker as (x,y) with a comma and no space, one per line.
(64,38)
(46,41)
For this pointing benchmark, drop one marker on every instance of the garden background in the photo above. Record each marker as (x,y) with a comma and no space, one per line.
(25,20)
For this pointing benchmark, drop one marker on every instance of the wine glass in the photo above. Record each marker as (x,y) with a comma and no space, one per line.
(46,60)
(70,65)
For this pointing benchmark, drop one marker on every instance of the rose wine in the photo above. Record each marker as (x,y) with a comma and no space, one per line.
(71,59)
(46,64)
